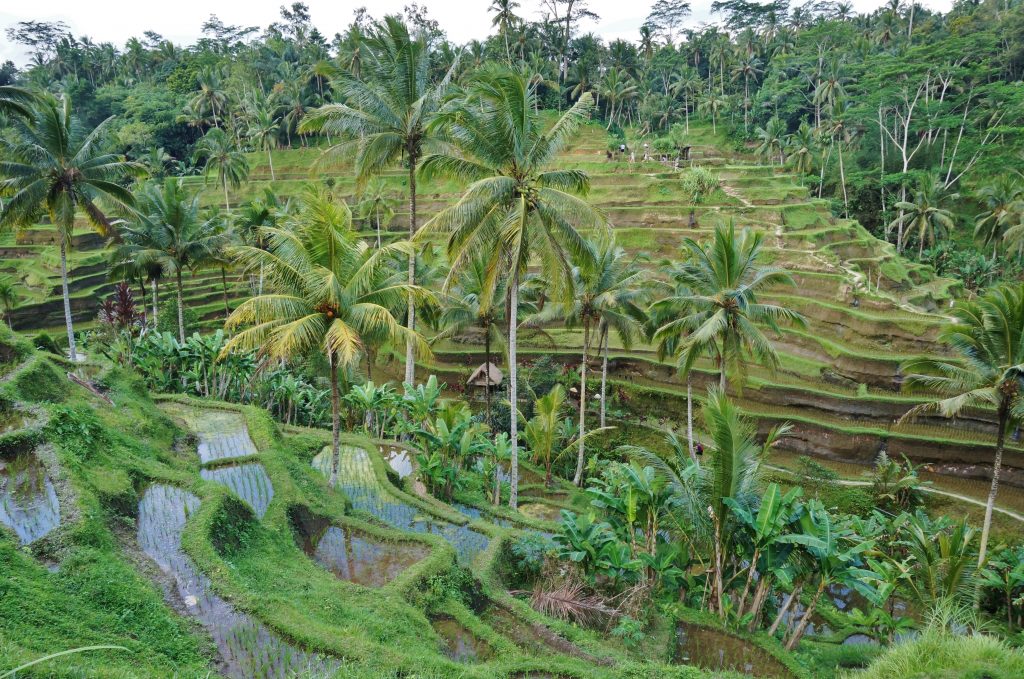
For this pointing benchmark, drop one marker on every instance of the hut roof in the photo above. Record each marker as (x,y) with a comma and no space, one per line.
(493,376)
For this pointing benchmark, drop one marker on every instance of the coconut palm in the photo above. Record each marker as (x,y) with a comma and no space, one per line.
(803,145)
(51,166)
(16,101)
(607,294)
(514,208)
(472,305)
(218,152)
(375,205)
(504,20)
(725,278)
(9,297)
(988,334)
(924,214)
(210,98)
(1003,202)
(169,232)
(263,131)
(772,137)
(713,104)
(389,118)
(326,298)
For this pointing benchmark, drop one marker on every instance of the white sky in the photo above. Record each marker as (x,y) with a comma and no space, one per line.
(179,20)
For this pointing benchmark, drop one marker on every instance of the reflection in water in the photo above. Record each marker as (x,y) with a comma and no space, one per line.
(541,511)
(460,644)
(248,481)
(28,501)
(248,648)
(715,650)
(222,435)
(357,480)
(400,459)
(356,557)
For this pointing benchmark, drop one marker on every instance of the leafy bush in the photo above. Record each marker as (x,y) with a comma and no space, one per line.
(699,183)
(528,552)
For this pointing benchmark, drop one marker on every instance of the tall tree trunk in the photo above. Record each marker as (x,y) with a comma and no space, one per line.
(224,289)
(604,376)
(72,354)
(156,316)
(1003,417)
(487,372)
(270,159)
(805,619)
(689,417)
(227,203)
(335,422)
(781,615)
(410,345)
(513,388)
(145,313)
(578,478)
(181,307)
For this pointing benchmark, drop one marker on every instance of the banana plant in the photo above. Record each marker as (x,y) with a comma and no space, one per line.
(581,539)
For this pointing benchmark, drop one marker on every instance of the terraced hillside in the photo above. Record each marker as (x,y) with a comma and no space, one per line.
(869,310)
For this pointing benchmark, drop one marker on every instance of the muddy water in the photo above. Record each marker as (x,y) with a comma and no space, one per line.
(459,643)
(248,481)
(357,480)
(28,500)
(715,650)
(356,557)
(541,511)
(247,648)
(222,435)
(10,420)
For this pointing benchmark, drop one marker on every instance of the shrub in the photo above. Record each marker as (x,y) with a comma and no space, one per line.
(699,183)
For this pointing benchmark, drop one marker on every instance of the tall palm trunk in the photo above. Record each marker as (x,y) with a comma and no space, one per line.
(1003,416)
(270,160)
(335,422)
(181,308)
(513,388)
(487,372)
(410,347)
(689,417)
(156,316)
(227,203)
(224,290)
(72,354)
(578,478)
(604,376)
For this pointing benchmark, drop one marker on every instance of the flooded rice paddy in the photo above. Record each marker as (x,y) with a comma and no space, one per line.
(714,650)
(459,643)
(247,648)
(248,481)
(222,434)
(28,500)
(358,481)
(10,419)
(354,556)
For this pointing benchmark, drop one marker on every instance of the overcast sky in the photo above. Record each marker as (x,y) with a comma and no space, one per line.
(179,20)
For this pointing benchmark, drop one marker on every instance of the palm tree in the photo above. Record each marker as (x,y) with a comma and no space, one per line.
(1003,201)
(263,130)
(210,97)
(772,137)
(390,117)
(169,233)
(514,209)
(748,69)
(924,213)
(988,333)
(9,297)
(219,153)
(50,165)
(607,293)
(473,306)
(713,104)
(505,19)
(16,101)
(803,145)
(375,204)
(325,298)
(725,278)
(617,87)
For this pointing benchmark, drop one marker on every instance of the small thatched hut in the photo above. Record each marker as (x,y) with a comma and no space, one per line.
(486,376)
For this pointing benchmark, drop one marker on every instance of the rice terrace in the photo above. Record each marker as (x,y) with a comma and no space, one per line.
(497,340)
